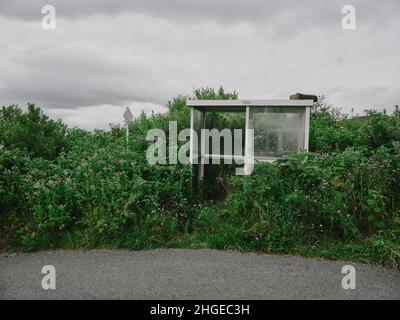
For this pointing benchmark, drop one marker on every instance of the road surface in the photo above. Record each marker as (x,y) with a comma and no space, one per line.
(188,274)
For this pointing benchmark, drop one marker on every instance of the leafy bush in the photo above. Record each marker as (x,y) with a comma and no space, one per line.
(32,131)
(99,191)
(71,188)
(332,131)
(308,197)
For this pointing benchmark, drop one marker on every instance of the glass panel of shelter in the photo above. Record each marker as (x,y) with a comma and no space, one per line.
(278,131)
(232,140)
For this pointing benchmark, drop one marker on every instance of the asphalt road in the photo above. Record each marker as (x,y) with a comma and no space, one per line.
(188,274)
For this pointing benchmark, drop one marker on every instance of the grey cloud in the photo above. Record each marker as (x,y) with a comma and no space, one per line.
(293,12)
(67,70)
(359,99)
(108,54)
(222,10)
(72,78)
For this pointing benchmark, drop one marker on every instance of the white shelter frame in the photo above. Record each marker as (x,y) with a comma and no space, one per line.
(202,107)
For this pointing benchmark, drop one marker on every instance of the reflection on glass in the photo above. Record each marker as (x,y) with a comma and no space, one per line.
(231,121)
(277,131)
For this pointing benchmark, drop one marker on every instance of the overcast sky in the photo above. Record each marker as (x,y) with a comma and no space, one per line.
(106,55)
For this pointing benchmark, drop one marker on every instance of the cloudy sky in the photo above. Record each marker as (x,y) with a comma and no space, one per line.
(106,55)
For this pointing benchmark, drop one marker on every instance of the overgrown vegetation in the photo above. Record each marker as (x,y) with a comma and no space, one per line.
(68,188)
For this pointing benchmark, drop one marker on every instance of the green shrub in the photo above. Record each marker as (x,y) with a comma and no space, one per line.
(74,189)
(32,131)
(332,131)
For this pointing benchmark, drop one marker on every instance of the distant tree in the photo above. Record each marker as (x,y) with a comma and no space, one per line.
(180,113)
(212,94)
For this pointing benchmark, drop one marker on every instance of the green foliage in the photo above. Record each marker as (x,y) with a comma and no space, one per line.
(331,131)
(71,188)
(97,192)
(308,198)
(32,131)
(177,106)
